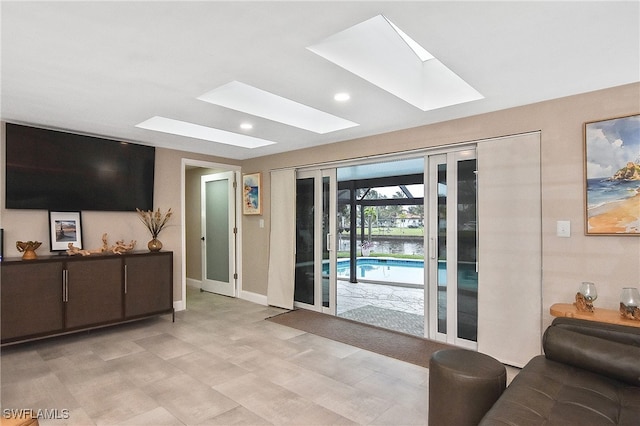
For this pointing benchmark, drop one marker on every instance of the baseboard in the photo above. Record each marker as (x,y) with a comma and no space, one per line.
(260,299)
(191,282)
(178,305)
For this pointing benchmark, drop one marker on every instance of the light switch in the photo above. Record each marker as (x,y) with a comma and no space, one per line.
(261,223)
(563,228)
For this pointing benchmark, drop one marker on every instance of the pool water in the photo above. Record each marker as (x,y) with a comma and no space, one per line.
(402,271)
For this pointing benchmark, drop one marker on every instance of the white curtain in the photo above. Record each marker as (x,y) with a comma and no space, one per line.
(509,248)
(282,241)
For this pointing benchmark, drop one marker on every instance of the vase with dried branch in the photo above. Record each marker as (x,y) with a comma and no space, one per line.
(155,221)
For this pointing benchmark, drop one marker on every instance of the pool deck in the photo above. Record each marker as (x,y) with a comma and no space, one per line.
(399,308)
(389,306)
(356,295)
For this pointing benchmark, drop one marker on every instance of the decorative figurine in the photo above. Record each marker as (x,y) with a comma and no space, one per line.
(629,301)
(582,304)
(119,248)
(28,248)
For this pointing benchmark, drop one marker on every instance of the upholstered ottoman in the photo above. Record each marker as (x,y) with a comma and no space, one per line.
(463,385)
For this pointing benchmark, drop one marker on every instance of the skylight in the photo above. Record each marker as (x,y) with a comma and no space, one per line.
(251,100)
(379,52)
(191,130)
(420,51)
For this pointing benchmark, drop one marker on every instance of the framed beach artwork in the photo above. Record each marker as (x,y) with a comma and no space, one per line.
(252,193)
(612,175)
(65,228)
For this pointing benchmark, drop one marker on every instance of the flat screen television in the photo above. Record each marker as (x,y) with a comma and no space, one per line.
(55,170)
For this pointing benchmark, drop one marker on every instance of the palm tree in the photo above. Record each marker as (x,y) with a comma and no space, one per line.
(371,214)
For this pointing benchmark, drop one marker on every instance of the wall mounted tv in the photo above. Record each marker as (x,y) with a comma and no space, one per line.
(54,170)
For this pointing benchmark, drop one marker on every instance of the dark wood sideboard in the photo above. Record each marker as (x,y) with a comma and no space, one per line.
(61,294)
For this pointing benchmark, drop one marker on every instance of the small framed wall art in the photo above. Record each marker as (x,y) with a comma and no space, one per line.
(612,176)
(65,228)
(252,193)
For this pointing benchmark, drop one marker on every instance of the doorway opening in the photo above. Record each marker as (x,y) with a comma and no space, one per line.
(380,266)
(392,244)
(192,231)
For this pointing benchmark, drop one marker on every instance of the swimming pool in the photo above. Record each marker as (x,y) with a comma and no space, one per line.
(401,271)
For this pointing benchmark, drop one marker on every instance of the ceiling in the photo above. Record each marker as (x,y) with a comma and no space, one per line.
(103,67)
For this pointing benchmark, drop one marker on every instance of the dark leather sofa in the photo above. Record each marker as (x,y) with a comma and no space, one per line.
(589,375)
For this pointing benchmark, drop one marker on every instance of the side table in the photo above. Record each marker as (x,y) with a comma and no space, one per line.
(609,316)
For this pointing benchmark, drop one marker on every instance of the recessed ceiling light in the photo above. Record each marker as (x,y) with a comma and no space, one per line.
(190,130)
(251,100)
(246,126)
(342,97)
(382,54)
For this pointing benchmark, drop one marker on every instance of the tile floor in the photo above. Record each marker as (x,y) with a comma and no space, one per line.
(220,363)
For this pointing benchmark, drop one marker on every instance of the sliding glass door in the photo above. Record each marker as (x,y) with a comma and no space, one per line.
(452,274)
(396,218)
(315,235)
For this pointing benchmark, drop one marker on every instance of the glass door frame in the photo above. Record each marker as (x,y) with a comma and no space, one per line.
(449,156)
(432,273)
(324,242)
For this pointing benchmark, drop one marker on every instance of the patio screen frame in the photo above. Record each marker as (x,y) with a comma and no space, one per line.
(388,181)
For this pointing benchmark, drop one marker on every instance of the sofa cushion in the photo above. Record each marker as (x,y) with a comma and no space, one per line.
(616,360)
(614,332)
(547,392)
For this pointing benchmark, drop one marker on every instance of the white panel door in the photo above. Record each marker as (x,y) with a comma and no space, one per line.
(219,233)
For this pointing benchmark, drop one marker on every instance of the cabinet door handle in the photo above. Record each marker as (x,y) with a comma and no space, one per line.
(65,285)
(125,279)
